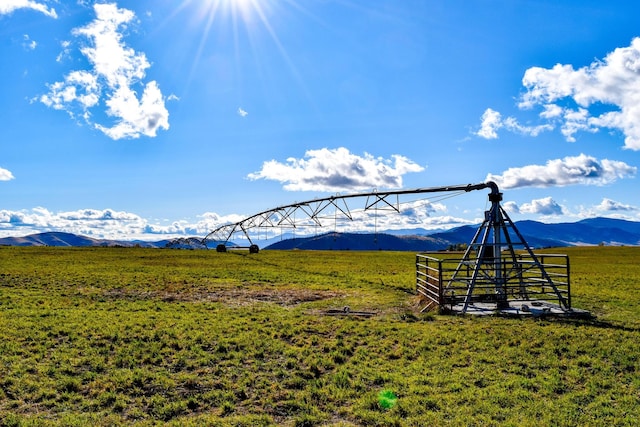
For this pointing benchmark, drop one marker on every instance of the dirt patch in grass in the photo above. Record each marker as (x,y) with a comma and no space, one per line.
(231,296)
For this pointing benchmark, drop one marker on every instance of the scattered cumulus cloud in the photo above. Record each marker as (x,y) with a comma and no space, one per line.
(511,207)
(119,225)
(27,43)
(9,6)
(492,121)
(105,223)
(608,205)
(337,170)
(422,215)
(5,175)
(582,169)
(601,95)
(610,209)
(65,52)
(115,79)
(546,207)
(414,214)
(422,209)
(242,113)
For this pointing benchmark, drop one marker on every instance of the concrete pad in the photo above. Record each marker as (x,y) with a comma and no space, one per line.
(535,309)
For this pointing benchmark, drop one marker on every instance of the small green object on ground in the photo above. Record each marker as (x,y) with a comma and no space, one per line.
(387,399)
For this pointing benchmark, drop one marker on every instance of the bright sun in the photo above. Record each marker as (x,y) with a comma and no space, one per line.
(243,20)
(229,16)
(253,15)
(242,6)
(242,9)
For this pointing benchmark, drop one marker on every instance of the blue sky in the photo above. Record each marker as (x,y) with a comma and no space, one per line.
(154,119)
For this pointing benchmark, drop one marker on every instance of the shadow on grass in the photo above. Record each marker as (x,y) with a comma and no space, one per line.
(594,323)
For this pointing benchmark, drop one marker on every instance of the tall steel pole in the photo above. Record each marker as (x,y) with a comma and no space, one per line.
(497,223)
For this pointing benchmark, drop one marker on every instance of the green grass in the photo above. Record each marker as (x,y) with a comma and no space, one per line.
(100,336)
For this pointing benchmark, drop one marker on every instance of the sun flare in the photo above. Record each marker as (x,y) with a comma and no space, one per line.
(250,27)
(238,9)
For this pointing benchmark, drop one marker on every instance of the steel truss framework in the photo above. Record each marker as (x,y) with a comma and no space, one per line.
(322,211)
(497,273)
(488,267)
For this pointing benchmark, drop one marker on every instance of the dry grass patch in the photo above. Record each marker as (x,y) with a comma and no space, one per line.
(232,296)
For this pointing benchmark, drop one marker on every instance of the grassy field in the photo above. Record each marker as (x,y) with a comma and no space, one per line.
(124,336)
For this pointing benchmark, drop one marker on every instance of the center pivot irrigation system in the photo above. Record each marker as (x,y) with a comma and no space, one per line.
(498,271)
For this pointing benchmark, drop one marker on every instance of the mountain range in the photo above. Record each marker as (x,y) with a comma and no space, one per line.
(70,239)
(592,231)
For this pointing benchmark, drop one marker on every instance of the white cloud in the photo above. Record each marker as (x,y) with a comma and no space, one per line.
(66,50)
(27,43)
(512,125)
(492,121)
(8,6)
(413,214)
(337,170)
(117,73)
(88,222)
(610,209)
(5,175)
(408,218)
(118,225)
(567,97)
(608,205)
(546,206)
(81,87)
(551,111)
(105,223)
(581,169)
(242,113)
(511,207)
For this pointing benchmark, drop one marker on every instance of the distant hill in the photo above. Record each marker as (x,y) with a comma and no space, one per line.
(629,226)
(49,239)
(592,231)
(70,239)
(358,242)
